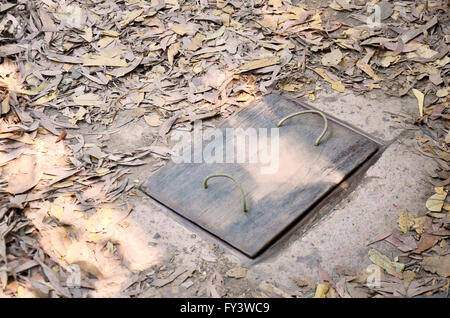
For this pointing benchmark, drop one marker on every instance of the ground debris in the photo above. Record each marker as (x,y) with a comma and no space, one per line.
(74,75)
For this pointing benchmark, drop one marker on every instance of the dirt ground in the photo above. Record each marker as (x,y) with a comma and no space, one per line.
(92,92)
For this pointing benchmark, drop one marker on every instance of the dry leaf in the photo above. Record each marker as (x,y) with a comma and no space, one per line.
(130,17)
(110,33)
(276,3)
(173,51)
(100,60)
(183,29)
(171,3)
(196,42)
(290,87)
(89,99)
(401,241)
(437,264)
(420,98)
(387,60)
(101,220)
(256,64)
(45,99)
(341,5)
(153,120)
(321,291)
(121,71)
(426,242)
(368,70)
(4,159)
(87,34)
(436,201)
(23,174)
(35,90)
(409,276)
(214,286)
(435,78)
(393,268)
(443,92)
(216,34)
(336,85)
(269,22)
(10,49)
(5,105)
(57,212)
(237,272)
(447,138)
(405,221)
(271,290)
(105,41)
(333,58)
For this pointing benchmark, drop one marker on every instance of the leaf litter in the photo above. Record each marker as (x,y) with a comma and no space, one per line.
(68,66)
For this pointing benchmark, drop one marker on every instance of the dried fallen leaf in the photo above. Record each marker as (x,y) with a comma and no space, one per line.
(4,109)
(321,291)
(290,87)
(101,60)
(393,268)
(257,64)
(333,58)
(237,272)
(89,99)
(35,90)
(401,241)
(336,85)
(164,281)
(153,120)
(130,17)
(87,35)
(5,158)
(196,42)
(23,174)
(435,78)
(57,212)
(173,51)
(167,125)
(405,221)
(183,29)
(269,21)
(420,98)
(62,136)
(409,276)
(437,264)
(368,70)
(447,138)
(101,220)
(388,60)
(276,3)
(426,242)
(214,286)
(121,71)
(216,34)
(271,290)
(45,99)
(443,92)
(436,201)
(10,49)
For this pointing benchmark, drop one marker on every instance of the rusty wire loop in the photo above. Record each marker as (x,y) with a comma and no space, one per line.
(318,140)
(205,185)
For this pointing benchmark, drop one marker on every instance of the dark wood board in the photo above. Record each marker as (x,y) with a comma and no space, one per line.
(275,201)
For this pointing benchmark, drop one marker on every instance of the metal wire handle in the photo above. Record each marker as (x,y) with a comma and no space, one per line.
(305,112)
(205,185)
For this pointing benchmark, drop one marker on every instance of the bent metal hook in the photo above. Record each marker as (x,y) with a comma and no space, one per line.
(205,185)
(305,112)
